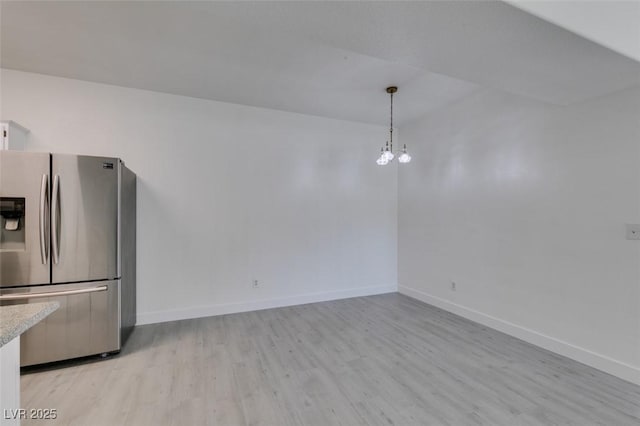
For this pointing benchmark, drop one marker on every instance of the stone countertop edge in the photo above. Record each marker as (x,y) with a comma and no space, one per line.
(16,319)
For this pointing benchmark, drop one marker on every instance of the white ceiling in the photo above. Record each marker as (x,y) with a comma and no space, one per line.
(611,23)
(331,59)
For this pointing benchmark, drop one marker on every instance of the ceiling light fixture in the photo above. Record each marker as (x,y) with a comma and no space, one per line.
(386,153)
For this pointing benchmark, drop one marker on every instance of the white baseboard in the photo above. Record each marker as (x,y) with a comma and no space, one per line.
(601,362)
(256,305)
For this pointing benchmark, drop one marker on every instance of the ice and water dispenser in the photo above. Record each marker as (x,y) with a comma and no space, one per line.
(12,226)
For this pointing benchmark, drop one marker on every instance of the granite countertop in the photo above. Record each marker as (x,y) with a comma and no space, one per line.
(16,319)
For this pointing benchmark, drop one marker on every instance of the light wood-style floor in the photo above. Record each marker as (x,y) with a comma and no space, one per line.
(378,360)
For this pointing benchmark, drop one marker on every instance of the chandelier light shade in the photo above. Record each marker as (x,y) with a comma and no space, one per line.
(382,160)
(404,157)
(386,153)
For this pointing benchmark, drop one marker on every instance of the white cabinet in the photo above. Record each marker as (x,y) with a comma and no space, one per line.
(10,383)
(14,136)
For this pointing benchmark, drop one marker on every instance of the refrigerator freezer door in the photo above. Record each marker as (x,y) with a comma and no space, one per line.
(84,218)
(87,322)
(24,218)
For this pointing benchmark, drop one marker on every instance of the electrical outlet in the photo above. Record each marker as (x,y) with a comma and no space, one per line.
(453,286)
(633,231)
(255,283)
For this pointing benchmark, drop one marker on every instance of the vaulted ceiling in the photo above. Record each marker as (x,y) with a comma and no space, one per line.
(331,59)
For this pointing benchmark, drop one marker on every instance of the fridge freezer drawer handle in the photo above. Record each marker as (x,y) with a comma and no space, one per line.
(52,293)
(44,211)
(55,201)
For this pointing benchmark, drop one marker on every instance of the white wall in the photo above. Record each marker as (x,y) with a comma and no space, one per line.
(523,205)
(228,194)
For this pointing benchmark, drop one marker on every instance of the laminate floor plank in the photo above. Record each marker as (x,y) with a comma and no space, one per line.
(377,360)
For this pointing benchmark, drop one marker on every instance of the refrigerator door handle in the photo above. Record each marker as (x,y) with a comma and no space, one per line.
(55,201)
(19,296)
(44,210)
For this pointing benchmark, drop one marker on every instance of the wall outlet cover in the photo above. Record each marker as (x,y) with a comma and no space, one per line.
(633,231)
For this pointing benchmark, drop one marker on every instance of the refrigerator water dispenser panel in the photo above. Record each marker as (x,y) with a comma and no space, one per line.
(12,211)
(12,214)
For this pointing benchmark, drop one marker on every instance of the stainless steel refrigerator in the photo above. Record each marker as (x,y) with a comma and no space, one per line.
(68,233)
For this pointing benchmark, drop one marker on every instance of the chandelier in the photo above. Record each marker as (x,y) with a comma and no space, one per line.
(386,153)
